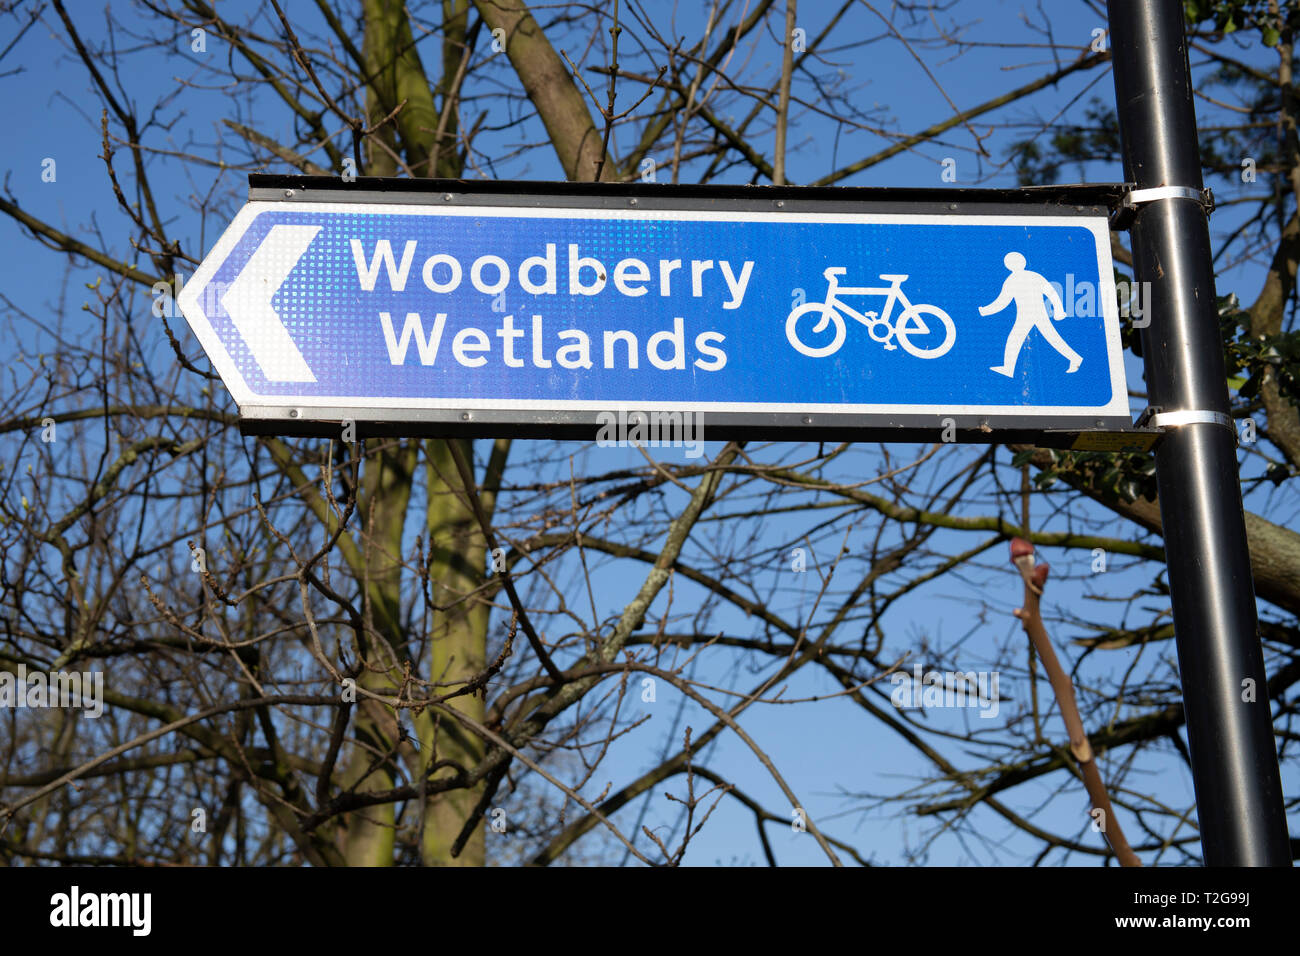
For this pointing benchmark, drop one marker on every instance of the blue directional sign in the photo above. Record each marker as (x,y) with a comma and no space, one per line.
(444,309)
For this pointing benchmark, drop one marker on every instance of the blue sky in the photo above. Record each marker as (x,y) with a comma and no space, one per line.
(827,749)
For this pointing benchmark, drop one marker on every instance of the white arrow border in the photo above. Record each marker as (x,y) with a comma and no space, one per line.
(1118,406)
(190,304)
(248,303)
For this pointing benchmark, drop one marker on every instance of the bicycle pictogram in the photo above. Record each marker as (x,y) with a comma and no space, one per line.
(934,340)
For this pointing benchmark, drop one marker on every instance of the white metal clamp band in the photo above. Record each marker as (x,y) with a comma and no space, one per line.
(1136,197)
(1122,215)
(1190,417)
(1163,192)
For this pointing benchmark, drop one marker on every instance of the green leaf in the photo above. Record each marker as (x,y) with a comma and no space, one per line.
(1022,457)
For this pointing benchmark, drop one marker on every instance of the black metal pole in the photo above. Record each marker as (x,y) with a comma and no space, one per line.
(1229,728)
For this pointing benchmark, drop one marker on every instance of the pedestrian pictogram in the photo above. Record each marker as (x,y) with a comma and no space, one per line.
(1027,291)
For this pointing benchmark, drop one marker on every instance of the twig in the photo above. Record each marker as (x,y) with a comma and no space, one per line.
(467,479)
(783,99)
(1035,577)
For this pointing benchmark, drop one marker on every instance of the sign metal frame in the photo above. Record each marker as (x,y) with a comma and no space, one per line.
(1094,431)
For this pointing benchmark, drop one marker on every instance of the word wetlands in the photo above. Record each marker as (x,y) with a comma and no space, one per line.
(624,429)
(56,689)
(946,689)
(74,908)
(471,346)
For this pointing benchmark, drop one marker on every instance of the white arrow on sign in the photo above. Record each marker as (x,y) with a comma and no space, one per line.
(248,303)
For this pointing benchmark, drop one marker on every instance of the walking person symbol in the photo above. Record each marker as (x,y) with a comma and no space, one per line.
(1027,290)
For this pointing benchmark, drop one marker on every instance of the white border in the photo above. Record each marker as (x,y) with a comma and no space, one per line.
(190,298)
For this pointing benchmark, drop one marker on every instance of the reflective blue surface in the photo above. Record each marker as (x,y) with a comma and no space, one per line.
(956,267)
